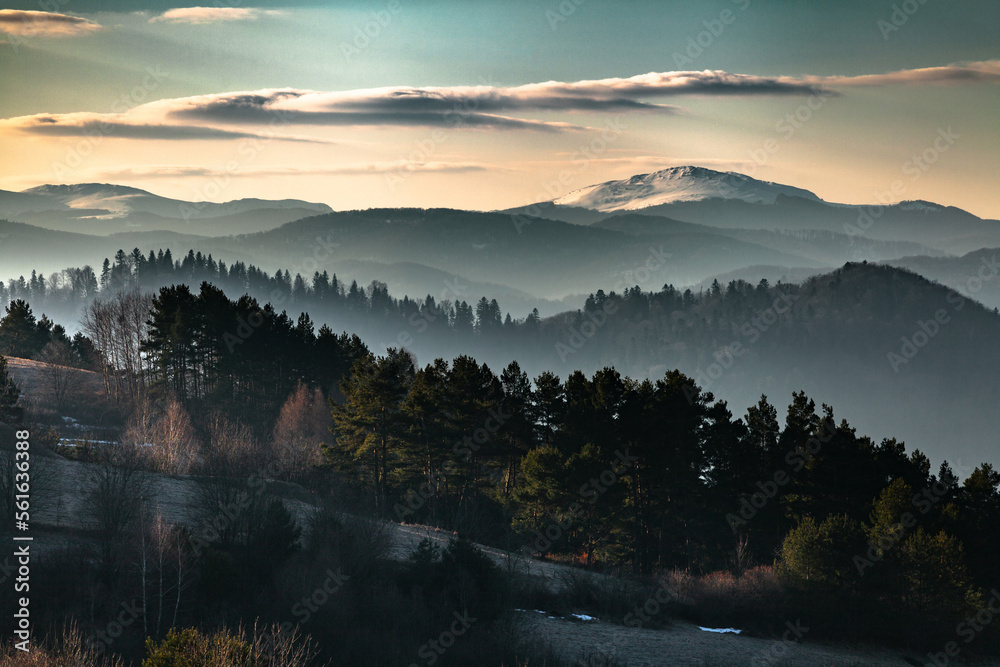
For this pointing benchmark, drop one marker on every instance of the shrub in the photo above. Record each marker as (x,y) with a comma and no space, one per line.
(269,647)
(751,601)
(69,649)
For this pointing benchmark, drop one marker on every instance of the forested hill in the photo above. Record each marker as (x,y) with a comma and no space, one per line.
(897,354)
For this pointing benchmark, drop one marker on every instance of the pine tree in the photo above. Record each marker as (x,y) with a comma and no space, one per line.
(548,406)
(427,446)
(106,274)
(369,426)
(516,434)
(21,335)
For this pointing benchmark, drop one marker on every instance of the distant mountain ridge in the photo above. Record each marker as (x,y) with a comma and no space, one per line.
(678,184)
(121,200)
(101,209)
(730,200)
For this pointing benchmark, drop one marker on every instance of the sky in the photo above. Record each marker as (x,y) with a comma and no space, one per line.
(487,104)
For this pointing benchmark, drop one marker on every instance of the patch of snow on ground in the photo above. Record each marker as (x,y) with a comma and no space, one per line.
(721,630)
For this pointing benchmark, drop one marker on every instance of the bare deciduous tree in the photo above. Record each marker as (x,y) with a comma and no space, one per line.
(165,432)
(302,427)
(164,565)
(232,457)
(60,380)
(116,488)
(117,325)
(233,451)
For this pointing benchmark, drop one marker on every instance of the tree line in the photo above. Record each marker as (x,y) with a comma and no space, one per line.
(657,475)
(598,469)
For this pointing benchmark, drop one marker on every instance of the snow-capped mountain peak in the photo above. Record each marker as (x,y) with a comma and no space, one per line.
(678,184)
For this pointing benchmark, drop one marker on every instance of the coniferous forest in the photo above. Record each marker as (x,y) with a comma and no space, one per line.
(499,334)
(748,517)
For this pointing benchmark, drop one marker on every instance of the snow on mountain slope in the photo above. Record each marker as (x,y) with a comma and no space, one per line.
(675,185)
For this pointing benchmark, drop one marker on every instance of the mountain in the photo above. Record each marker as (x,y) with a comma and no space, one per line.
(26,248)
(15,204)
(418,281)
(522,262)
(546,258)
(734,201)
(975,275)
(823,247)
(675,185)
(120,201)
(754,274)
(98,208)
(894,353)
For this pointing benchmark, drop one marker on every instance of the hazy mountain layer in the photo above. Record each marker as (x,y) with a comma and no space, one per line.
(97,208)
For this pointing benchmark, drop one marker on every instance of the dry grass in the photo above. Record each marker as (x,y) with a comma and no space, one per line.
(69,649)
(30,377)
(752,602)
(603,644)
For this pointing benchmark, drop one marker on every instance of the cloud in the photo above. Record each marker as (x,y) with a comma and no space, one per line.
(44,24)
(986,71)
(117,125)
(448,108)
(202,15)
(214,116)
(477,105)
(355,169)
